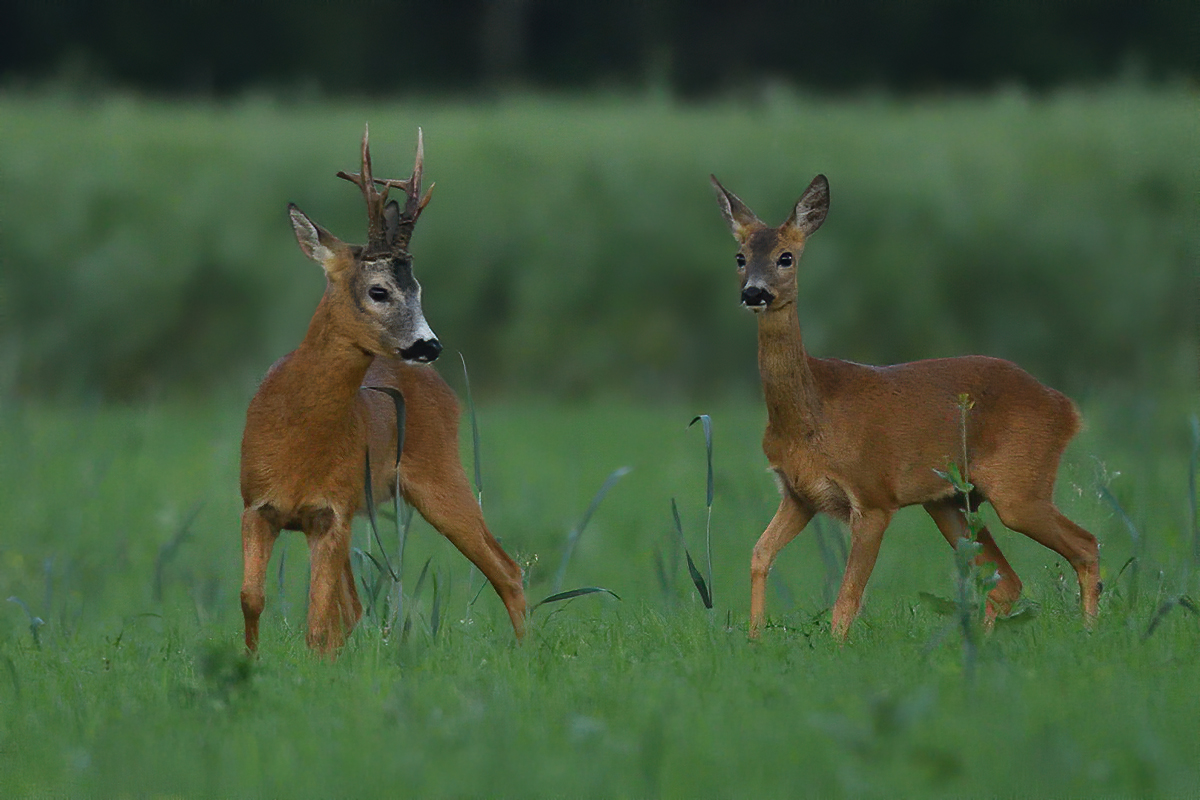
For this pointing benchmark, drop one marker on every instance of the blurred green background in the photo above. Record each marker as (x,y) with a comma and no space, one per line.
(1031,196)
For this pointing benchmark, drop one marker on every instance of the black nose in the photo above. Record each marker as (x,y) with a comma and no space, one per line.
(754,296)
(424,350)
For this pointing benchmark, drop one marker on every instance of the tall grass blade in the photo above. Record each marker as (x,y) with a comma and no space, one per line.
(421,578)
(371,590)
(577,531)
(402,521)
(478,464)
(35,622)
(1193,467)
(706,422)
(697,578)
(660,572)
(435,613)
(1134,562)
(16,679)
(474,433)
(283,603)
(572,593)
(401,420)
(407,626)
(169,548)
(1183,601)
(834,562)
(404,518)
(369,494)
(938,605)
(402,513)
(48,580)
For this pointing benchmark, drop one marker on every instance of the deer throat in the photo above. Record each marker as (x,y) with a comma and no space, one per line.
(789,386)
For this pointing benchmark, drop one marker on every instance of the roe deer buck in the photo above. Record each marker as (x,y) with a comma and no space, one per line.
(309,426)
(859,442)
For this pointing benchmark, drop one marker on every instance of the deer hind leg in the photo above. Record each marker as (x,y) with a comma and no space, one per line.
(866,534)
(1038,519)
(332,598)
(953,525)
(788,521)
(258,539)
(446,503)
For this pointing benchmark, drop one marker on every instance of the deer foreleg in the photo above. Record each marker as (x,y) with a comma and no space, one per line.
(332,598)
(866,534)
(258,538)
(788,521)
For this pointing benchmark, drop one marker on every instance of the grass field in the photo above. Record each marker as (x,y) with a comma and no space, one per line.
(136,685)
(575,255)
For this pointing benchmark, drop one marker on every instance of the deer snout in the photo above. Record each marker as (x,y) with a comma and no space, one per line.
(423,350)
(756,297)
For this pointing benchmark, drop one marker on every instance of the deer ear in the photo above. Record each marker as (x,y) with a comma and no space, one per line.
(811,208)
(740,218)
(317,243)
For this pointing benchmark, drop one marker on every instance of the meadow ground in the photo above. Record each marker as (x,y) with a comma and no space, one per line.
(121,535)
(573,251)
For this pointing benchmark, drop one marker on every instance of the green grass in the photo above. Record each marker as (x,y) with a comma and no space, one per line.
(649,695)
(574,253)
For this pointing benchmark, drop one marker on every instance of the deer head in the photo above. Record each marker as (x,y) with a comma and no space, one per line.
(767,257)
(375,297)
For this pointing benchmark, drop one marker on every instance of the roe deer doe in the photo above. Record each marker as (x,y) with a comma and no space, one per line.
(859,442)
(309,426)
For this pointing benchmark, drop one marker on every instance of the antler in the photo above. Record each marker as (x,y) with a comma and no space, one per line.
(379,237)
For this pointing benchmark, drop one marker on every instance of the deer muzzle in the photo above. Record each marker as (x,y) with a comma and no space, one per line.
(756,297)
(422,350)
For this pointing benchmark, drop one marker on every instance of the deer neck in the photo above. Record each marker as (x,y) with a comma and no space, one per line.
(326,372)
(789,387)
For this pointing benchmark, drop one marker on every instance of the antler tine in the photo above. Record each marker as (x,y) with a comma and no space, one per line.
(413,206)
(365,181)
(414,203)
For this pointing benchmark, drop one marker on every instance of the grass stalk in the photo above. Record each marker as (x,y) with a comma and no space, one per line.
(971,582)
(697,578)
(35,622)
(169,548)
(706,422)
(1193,467)
(478,463)
(577,532)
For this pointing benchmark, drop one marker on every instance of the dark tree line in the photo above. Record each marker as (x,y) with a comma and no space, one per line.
(402,47)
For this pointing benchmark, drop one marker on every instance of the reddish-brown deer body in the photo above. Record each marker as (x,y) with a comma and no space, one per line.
(309,426)
(860,442)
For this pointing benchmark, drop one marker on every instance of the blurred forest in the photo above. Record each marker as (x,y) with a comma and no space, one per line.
(1017,179)
(407,47)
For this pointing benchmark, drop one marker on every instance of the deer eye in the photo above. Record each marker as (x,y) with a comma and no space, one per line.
(785,259)
(378,294)
(741,261)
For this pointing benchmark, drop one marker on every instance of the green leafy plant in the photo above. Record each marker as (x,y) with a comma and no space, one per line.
(972,582)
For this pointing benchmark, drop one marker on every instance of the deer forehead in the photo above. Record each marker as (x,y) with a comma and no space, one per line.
(765,244)
(396,270)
